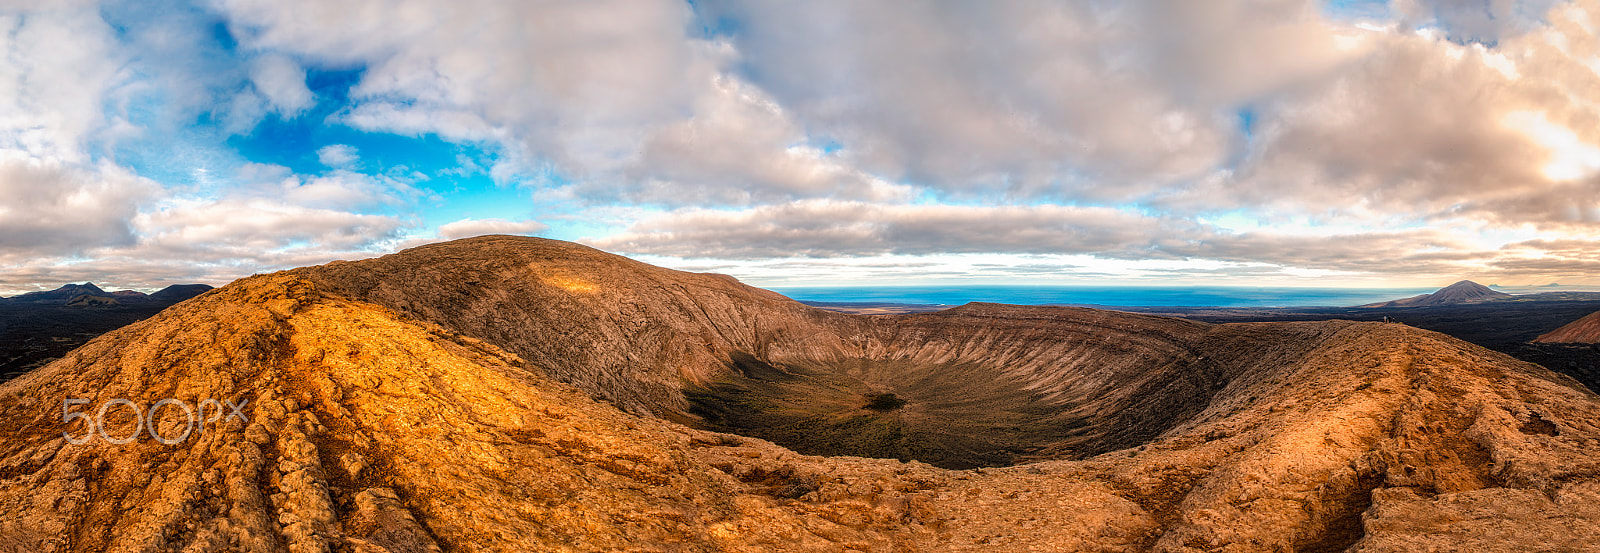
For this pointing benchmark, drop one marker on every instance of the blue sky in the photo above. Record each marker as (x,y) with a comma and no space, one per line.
(1291,143)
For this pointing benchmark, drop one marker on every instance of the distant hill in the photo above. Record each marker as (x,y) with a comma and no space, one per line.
(1465,291)
(38,327)
(69,292)
(1582,331)
(180,292)
(64,293)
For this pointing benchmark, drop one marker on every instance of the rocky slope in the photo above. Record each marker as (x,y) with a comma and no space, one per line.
(624,331)
(378,422)
(1585,330)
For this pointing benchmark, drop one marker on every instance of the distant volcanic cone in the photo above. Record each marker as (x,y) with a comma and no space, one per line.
(1465,291)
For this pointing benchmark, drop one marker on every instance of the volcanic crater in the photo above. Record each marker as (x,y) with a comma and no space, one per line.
(983,385)
(517,394)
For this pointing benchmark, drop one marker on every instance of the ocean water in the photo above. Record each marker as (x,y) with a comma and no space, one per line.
(1190,296)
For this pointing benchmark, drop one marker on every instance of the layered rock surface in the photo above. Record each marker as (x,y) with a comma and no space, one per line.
(383,415)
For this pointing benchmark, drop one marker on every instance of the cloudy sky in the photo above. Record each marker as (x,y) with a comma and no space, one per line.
(1266,142)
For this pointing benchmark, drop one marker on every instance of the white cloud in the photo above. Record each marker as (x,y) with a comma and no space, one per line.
(740,148)
(340,188)
(830,129)
(573,82)
(916,242)
(467,228)
(828,228)
(56,66)
(55,208)
(255,227)
(282,82)
(1476,20)
(1356,129)
(407,119)
(206,241)
(1570,158)
(70,213)
(1425,130)
(1018,98)
(337,155)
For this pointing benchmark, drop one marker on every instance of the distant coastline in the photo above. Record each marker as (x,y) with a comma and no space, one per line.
(1119,296)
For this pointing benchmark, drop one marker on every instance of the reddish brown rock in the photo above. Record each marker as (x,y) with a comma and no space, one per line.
(1582,331)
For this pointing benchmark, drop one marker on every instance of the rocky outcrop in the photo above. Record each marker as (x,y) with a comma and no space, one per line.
(373,428)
